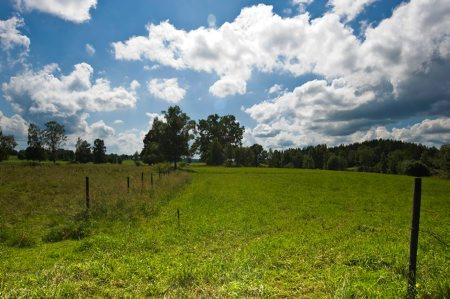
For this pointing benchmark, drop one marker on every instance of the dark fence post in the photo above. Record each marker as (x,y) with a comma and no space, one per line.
(178,216)
(87,194)
(128,184)
(142,181)
(414,238)
(159,172)
(151,178)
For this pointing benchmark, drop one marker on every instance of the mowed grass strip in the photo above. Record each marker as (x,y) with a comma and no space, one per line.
(247,232)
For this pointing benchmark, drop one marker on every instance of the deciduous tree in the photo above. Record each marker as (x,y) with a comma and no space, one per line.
(169,140)
(35,150)
(83,151)
(99,151)
(7,145)
(54,137)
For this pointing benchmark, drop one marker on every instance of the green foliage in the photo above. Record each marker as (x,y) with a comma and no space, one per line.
(308,162)
(99,151)
(35,150)
(224,130)
(7,145)
(17,238)
(258,155)
(365,156)
(169,140)
(384,156)
(83,151)
(335,163)
(215,155)
(162,167)
(415,168)
(444,157)
(54,136)
(67,231)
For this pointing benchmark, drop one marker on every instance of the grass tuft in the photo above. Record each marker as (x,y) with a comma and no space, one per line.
(68,231)
(20,239)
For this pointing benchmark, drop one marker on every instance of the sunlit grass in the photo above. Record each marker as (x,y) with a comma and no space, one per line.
(241,232)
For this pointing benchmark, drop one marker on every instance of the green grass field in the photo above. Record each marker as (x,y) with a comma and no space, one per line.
(242,232)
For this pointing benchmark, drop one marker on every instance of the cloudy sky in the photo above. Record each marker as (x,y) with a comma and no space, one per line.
(294,72)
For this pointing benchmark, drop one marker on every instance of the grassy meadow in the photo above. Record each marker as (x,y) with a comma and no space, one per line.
(241,232)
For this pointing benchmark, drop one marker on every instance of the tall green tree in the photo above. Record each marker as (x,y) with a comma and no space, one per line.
(365,156)
(225,130)
(7,145)
(35,150)
(178,131)
(99,151)
(168,140)
(215,153)
(257,154)
(152,151)
(54,137)
(83,151)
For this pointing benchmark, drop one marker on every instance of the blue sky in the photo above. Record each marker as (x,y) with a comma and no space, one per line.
(359,82)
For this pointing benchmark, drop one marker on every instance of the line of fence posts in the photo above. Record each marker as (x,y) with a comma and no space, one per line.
(414,238)
(88,198)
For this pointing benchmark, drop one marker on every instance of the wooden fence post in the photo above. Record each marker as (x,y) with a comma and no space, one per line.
(159,172)
(142,181)
(414,238)
(128,184)
(178,216)
(87,194)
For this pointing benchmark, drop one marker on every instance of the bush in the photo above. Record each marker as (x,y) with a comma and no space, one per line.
(415,168)
(335,163)
(71,231)
(163,167)
(20,239)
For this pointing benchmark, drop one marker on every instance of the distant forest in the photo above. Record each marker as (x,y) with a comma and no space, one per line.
(217,140)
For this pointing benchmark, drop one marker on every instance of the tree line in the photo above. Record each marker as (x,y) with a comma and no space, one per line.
(45,144)
(217,140)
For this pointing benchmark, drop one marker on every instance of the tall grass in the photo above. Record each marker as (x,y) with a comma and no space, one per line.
(48,201)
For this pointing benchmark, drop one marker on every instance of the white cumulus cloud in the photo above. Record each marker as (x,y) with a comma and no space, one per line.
(349,9)
(76,11)
(46,94)
(166,89)
(256,39)
(276,88)
(10,36)
(14,125)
